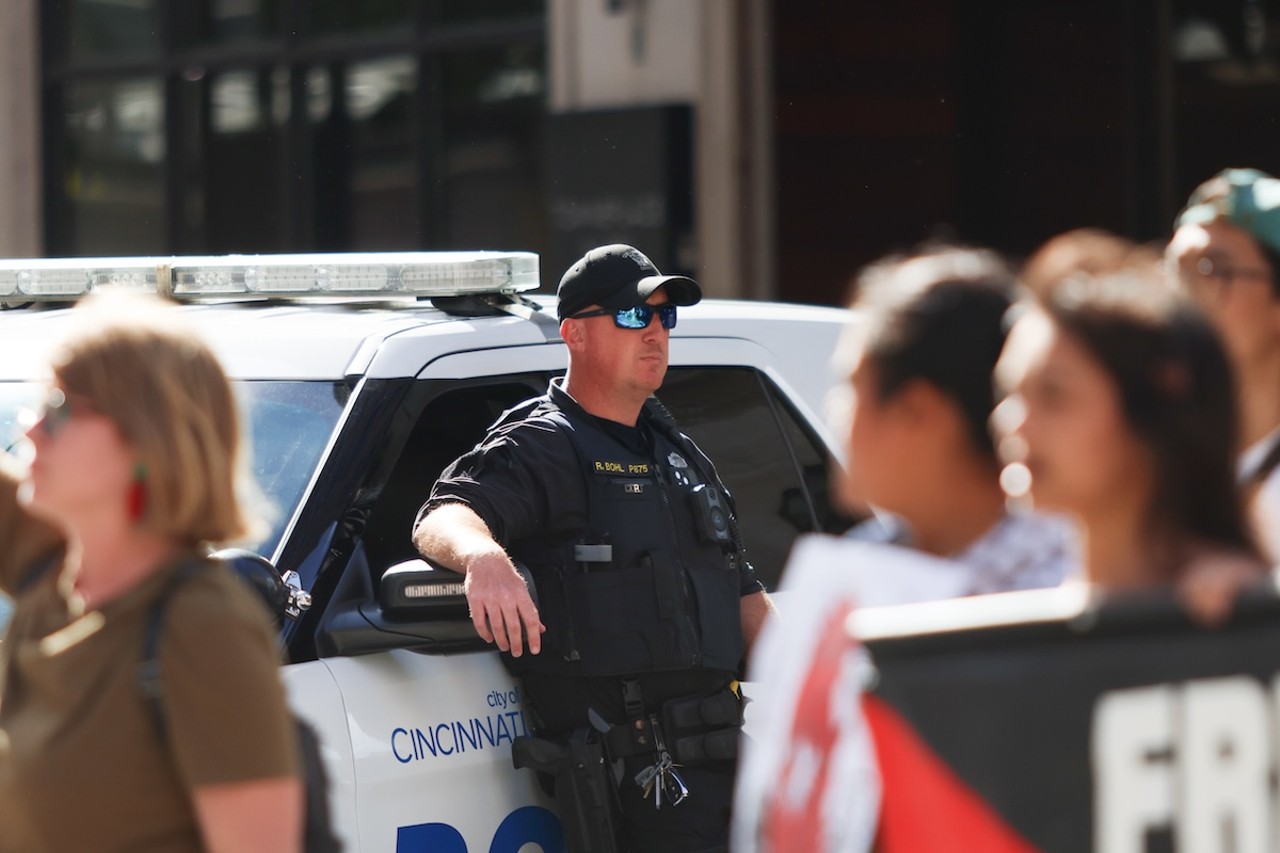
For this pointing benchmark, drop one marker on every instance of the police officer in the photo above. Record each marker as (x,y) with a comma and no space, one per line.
(645,599)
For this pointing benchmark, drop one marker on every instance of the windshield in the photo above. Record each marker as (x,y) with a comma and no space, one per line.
(289,426)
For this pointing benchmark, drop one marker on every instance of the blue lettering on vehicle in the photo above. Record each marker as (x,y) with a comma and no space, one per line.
(526,825)
(433,837)
(504,699)
(434,740)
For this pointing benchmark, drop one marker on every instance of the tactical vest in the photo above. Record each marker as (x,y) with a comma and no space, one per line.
(651,583)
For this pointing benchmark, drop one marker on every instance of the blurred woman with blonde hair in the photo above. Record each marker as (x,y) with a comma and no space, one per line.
(134,472)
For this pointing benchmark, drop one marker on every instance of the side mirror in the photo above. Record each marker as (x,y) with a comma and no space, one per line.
(419,606)
(419,590)
(283,595)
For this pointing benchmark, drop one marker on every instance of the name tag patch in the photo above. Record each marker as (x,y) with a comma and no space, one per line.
(634,469)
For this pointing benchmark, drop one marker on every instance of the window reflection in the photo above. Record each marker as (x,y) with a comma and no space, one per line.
(113,180)
(1238,33)
(470,10)
(391,125)
(319,94)
(338,16)
(235,20)
(383,173)
(1223,89)
(492,171)
(237,103)
(114,27)
(240,155)
(727,411)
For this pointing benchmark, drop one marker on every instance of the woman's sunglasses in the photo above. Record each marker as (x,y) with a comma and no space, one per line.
(636,317)
(54,413)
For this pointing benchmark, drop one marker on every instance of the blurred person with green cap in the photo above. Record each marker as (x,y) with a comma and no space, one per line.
(1226,250)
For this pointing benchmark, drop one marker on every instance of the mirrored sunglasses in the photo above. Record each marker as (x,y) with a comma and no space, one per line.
(635,317)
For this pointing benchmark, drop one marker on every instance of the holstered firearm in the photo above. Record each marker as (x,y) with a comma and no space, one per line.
(585,793)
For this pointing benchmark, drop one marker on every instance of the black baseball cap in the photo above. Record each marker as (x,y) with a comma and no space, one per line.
(619,276)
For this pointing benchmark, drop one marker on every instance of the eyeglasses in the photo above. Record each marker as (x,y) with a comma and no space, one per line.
(636,317)
(54,413)
(1222,273)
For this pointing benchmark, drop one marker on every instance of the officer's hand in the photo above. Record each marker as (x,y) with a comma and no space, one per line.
(501,607)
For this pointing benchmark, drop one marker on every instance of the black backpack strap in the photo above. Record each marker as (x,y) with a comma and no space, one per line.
(318,834)
(150,676)
(38,570)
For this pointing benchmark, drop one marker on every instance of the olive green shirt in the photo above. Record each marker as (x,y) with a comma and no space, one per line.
(82,763)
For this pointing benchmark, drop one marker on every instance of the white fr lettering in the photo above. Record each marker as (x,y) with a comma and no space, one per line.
(1132,779)
(1196,757)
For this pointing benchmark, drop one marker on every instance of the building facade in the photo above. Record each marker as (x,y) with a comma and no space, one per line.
(770,148)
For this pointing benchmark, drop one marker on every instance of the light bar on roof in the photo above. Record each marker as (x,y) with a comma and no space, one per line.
(357,274)
(368,274)
(53,278)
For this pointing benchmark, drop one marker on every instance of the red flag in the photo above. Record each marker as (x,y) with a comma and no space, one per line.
(925,805)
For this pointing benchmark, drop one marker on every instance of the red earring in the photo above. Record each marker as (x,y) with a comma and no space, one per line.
(137,498)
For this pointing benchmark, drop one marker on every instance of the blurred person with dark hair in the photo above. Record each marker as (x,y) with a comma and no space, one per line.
(1121,413)
(1226,251)
(919,358)
(137,469)
(1093,251)
(919,354)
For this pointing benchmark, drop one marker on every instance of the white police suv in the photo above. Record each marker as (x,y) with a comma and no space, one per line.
(361,377)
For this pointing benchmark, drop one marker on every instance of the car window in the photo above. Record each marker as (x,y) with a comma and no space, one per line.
(454,419)
(290,424)
(771,462)
(814,462)
(15,397)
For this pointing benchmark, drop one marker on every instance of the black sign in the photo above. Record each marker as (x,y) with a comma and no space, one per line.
(621,176)
(1114,728)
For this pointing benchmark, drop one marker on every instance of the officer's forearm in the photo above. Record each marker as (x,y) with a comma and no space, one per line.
(455,537)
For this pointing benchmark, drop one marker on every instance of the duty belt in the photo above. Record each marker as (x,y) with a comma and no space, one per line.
(693,729)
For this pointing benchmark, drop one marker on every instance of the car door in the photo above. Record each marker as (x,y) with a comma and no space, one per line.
(429,733)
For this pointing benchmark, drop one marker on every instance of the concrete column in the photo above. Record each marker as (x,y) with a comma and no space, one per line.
(757,89)
(734,155)
(20,186)
(621,53)
(715,55)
